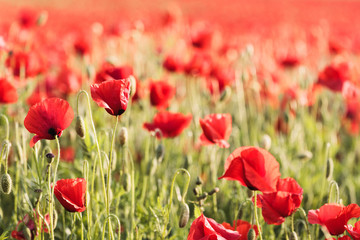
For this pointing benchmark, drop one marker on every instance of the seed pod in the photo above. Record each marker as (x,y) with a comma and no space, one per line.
(160,150)
(184,215)
(251,234)
(6,183)
(123,136)
(203,196)
(265,142)
(50,157)
(293,236)
(126,182)
(80,127)
(329,168)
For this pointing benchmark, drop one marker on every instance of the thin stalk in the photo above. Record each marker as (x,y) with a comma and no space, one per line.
(256,216)
(6,126)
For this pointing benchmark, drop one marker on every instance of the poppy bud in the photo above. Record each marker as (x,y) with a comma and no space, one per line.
(203,196)
(151,167)
(50,157)
(6,183)
(199,181)
(215,190)
(184,215)
(42,18)
(265,142)
(293,236)
(226,94)
(126,182)
(251,234)
(132,86)
(80,127)
(160,150)
(329,168)
(123,136)
(304,156)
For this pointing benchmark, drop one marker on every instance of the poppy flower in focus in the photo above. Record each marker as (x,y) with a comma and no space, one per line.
(334,76)
(8,92)
(170,124)
(161,93)
(204,228)
(48,118)
(113,95)
(334,216)
(276,206)
(354,231)
(242,227)
(110,72)
(254,168)
(216,129)
(71,194)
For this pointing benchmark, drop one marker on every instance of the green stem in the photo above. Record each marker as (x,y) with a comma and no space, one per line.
(337,194)
(256,216)
(6,125)
(303,214)
(132,194)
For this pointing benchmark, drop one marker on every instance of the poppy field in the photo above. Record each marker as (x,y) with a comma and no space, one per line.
(136,120)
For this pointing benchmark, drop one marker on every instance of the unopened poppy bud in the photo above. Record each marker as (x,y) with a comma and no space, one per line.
(24,230)
(251,234)
(151,167)
(226,94)
(329,168)
(123,136)
(126,182)
(80,127)
(184,215)
(6,183)
(50,157)
(305,156)
(203,196)
(160,150)
(215,190)
(132,86)
(265,142)
(199,181)
(293,236)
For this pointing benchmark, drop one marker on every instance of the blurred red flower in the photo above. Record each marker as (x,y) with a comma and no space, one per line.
(111,72)
(354,231)
(219,78)
(173,63)
(216,129)
(71,194)
(201,35)
(67,81)
(204,228)
(113,95)
(199,64)
(276,206)
(161,93)
(8,92)
(334,76)
(48,119)
(334,216)
(67,154)
(30,62)
(170,124)
(254,168)
(242,227)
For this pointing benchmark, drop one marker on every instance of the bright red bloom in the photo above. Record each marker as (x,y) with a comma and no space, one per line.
(110,72)
(334,216)
(242,227)
(8,92)
(113,95)
(216,129)
(71,194)
(161,93)
(341,238)
(254,168)
(276,206)
(170,124)
(48,119)
(354,231)
(204,228)
(334,76)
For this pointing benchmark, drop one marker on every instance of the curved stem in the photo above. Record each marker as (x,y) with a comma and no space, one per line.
(256,216)
(6,125)
(337,194)
(119,225)
(303,214)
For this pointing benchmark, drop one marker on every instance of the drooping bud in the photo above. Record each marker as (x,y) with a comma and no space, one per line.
(50,157)
(251,234)
(329,168)
(126,182)
(184,215)
(123,136)
(80,127)
(6,183)
(265,142)
(160,151)
(293,236)
(304,156)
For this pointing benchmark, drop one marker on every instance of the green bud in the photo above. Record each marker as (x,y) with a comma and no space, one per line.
(80,127)
(226,94)
(160,151)
(184,215)
(123,136)
(265,142)
(132,86)
(126,182)
(6,183)
(251,234)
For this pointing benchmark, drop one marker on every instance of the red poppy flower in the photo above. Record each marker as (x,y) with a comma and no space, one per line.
(334,76)
(220,78)
(29,61)
(48,119)
(82,45)
(110,72)
(8,92)
(334,216)
(173,63)
(204,228)
(199,64)
(67,154)
(341,238)
(71,194)
(68,81)
(201,35)
(276,206)
(170,124)
(113,95)
(161,93)
(242,227)
(354,231)
(254,168)
(216,129)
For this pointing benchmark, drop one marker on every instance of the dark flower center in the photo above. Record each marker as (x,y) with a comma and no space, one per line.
(52,132)
(121,111)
